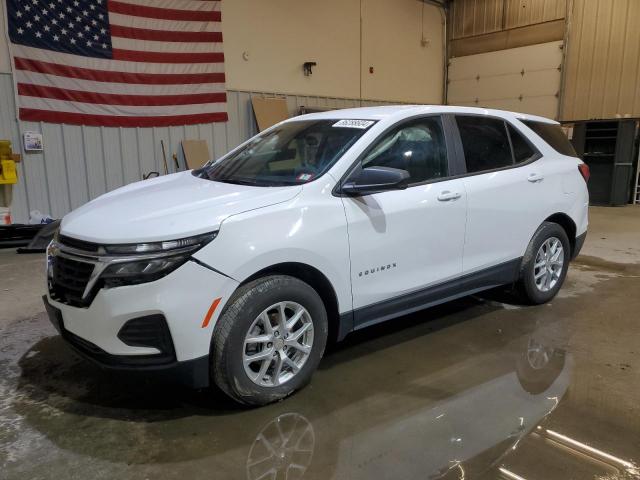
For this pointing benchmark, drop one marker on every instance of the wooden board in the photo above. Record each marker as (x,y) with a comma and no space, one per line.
(269,111)
(196,153)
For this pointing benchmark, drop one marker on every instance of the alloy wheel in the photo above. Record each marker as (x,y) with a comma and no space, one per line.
(548,264)
(278,344)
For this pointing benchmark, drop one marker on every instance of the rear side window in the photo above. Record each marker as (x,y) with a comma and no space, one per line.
(522,149)
(485,143)
(553,135)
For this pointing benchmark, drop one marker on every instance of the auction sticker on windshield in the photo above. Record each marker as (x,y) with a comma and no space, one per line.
(362,124)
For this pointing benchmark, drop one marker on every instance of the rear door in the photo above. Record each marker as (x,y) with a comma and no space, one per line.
(508,195)
(402,241)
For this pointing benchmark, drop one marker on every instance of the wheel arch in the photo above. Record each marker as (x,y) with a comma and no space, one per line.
(316,279)
(568,225)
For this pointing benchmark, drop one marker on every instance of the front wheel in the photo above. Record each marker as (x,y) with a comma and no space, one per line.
(269,340)
(545,264)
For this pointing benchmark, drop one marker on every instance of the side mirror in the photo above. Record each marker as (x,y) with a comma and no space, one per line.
(375,179)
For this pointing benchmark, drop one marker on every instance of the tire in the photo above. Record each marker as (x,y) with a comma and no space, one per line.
(248,305)
(526,286)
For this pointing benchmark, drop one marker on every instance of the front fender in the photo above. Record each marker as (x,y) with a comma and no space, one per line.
(295,231)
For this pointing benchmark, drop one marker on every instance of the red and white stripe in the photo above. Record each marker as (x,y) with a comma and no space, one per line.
(167,69)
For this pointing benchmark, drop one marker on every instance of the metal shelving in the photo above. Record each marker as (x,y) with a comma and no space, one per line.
(608,148)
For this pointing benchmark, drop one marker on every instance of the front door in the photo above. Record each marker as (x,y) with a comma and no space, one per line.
(403,241)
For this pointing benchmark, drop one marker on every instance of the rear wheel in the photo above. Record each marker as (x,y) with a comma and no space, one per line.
(269,340)
(544,265)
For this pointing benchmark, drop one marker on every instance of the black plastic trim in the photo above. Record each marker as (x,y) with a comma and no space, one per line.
(345,325)
(469,284)
(578,245)
(149,331)
(457,164)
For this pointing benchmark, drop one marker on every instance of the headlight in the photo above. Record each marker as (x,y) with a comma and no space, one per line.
(184,243)
(145,262)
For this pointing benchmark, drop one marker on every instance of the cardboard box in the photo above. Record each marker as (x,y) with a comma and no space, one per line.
(269,111)
(196,153)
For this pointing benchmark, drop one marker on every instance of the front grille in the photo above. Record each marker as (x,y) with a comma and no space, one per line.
(68,280)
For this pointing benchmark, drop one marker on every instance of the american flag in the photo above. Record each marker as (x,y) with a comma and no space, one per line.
(118,63)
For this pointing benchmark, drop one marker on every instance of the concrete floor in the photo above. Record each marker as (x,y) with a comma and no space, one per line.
(478,388)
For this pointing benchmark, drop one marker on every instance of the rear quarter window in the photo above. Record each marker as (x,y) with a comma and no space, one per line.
(553,135)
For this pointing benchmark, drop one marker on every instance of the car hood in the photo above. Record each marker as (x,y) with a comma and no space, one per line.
(165,208)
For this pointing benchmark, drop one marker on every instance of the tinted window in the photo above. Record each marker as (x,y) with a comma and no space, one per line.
(553,135)
(417,147)
(293,153)
(485,143)
(522,150)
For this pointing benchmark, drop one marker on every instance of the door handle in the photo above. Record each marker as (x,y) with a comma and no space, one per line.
(447,195)
(535,177)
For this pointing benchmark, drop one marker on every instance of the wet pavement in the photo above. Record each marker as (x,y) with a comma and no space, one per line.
(478,388)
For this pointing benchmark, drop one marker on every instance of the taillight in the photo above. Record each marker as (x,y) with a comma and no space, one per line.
(584,171)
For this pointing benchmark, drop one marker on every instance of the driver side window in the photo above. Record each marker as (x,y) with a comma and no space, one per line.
(417,147)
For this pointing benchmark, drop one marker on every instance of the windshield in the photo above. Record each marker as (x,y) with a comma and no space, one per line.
(291,154)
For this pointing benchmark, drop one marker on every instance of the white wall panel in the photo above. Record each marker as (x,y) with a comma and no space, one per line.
(5,62)
(525,79)
(95,169)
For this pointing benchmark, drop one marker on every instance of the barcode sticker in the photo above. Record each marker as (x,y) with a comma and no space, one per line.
(362,124)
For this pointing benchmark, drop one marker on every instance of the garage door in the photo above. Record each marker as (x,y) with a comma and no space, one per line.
(524,79)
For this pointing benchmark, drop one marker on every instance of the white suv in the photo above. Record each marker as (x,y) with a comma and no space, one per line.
(239,272)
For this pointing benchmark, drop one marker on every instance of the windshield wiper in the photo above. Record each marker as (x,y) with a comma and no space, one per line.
(239,181)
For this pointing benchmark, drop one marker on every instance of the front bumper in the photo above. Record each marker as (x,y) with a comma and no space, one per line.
(182,298)
(191,373)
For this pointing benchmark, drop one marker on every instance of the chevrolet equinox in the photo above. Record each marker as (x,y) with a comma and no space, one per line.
(239,272)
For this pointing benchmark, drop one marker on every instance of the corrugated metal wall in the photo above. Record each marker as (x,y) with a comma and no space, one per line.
(478,17)
(603,60)
(80,163)
(519,13)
